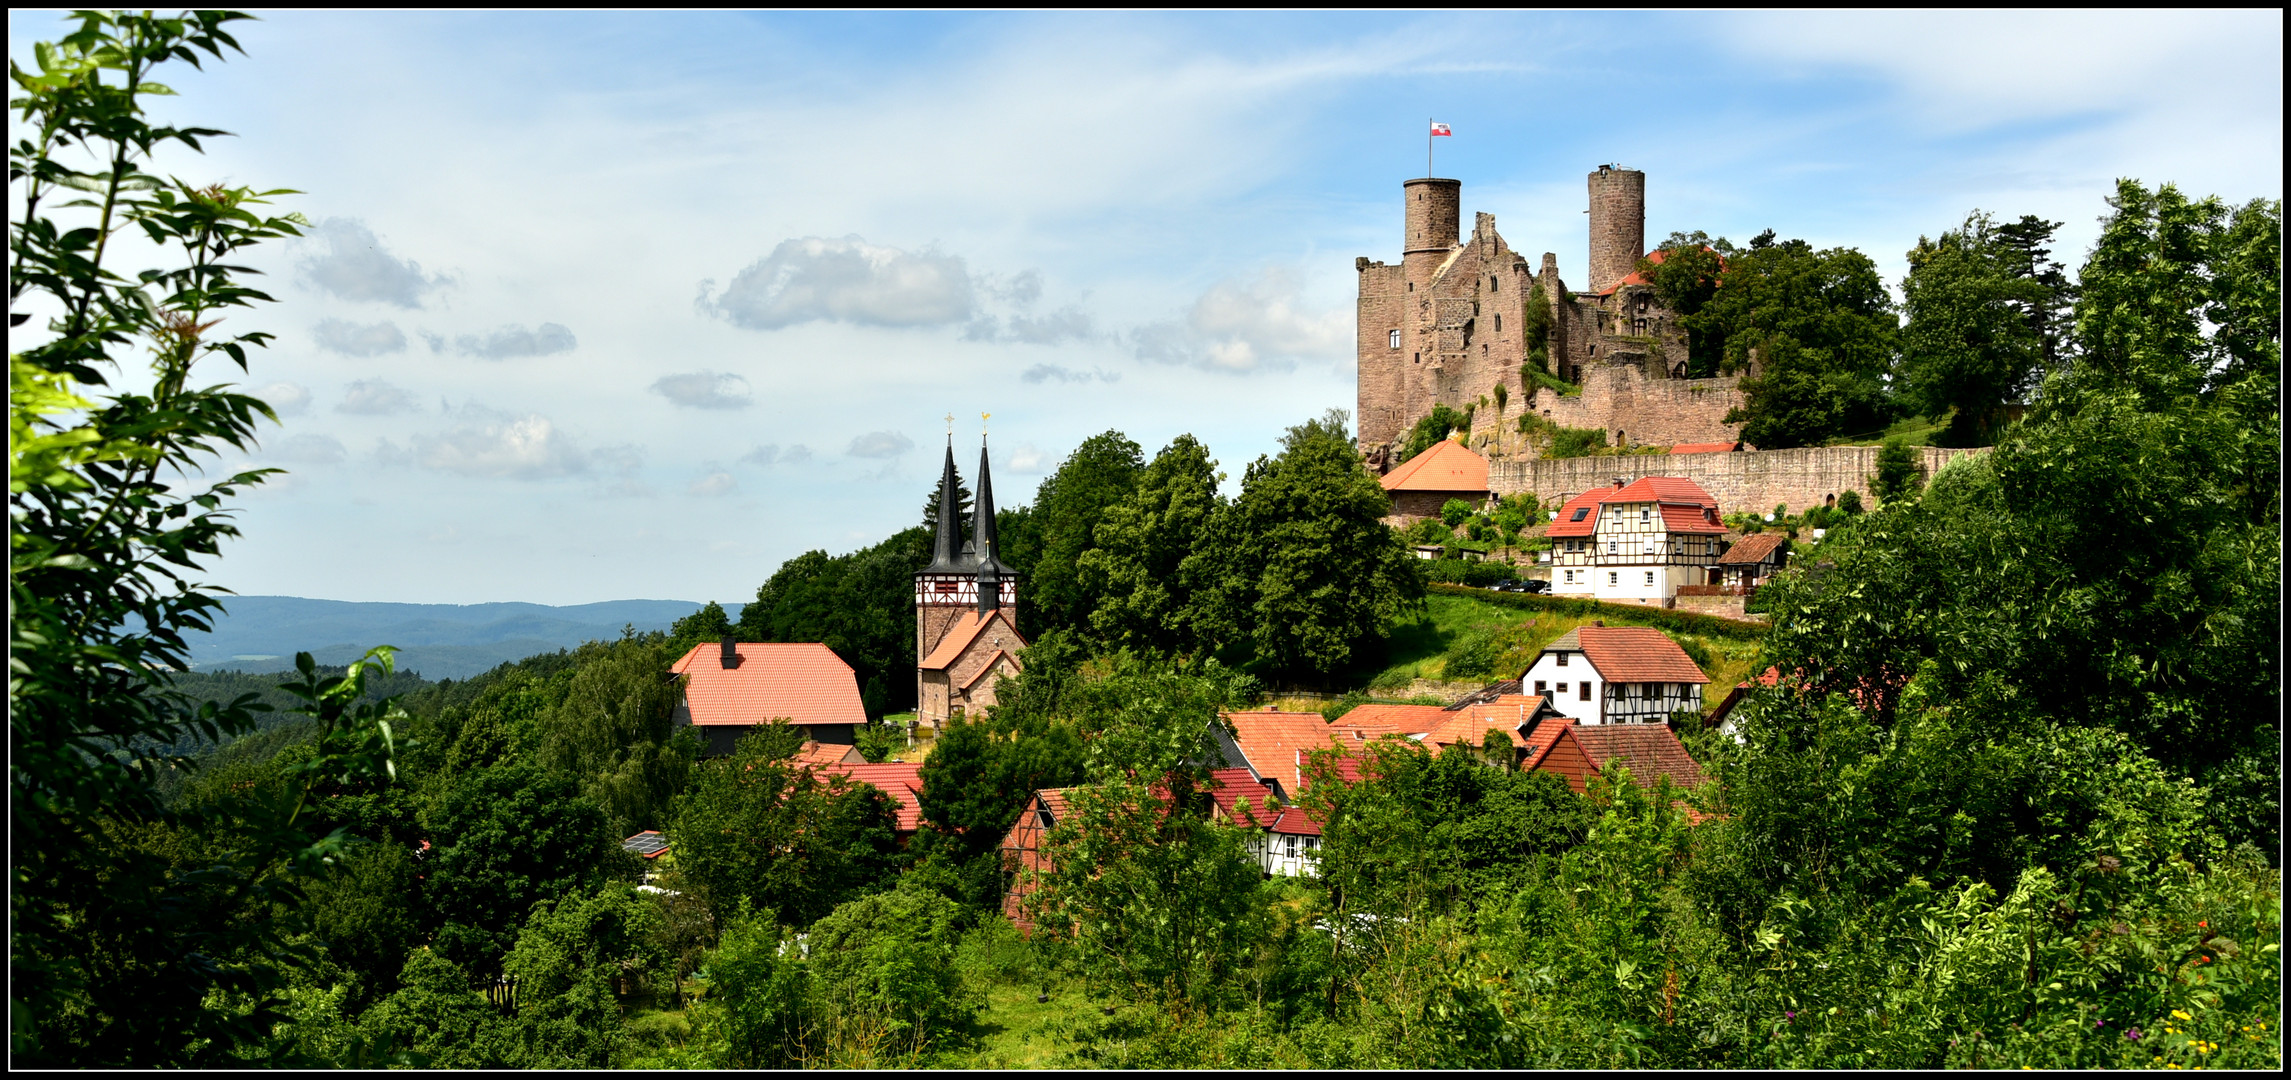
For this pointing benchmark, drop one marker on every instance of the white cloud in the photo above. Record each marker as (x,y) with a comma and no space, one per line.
(355,266)
(488,443)
(1069,323)
(845,280)
(714,484)
(309,450)
(512,341)
(1047,372)
(705,390)
(1026,460)
(771,454)
(374,397)
(352,339)
(880,444)
(285,398)
(1237,327)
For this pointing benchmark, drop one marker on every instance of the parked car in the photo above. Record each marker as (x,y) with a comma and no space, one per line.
(1532,585)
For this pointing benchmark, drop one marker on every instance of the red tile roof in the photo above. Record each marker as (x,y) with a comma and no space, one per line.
(1275,743)
(1637,654)
(902,782)
(806,683)
(1635,278)
(1376,720)
(1570,523)
(1754,548)
(813,753)
(1648,750)
(1447,466)
(1706,448)
(1695,520)
(1505,714)
(1229,786)
(966,629)
(1670,489)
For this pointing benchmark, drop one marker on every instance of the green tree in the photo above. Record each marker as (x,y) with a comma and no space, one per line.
(1455,512)
(1824,335)
(887,962)
(1301,566)
(1685,280)
(707,626)
(612,732)
(1100,474)
(1899,473)
(436,1013)
(1430,430)
(758,1011)
(114,952)
(1974,339)
(1158,903)
(505,838)
(1141,543)
(981,771)
(572,961)
(755,829)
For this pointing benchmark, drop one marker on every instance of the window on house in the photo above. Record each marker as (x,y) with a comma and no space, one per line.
(1646,514)
(1612,576)
(1541,687)
(1583,691)
(1289,846)
(1562,659)
(1650,577)
(1581,512)
(1396,339)
(1610,547)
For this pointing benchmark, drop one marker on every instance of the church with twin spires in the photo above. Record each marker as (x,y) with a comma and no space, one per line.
(966,607)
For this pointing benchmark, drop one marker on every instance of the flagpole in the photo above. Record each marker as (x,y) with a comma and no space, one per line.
(1427,147)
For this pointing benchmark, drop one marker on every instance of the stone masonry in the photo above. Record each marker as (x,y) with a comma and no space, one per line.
(1741,482)
(1445,327)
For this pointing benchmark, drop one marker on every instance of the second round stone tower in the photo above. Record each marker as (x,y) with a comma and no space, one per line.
(1618,224)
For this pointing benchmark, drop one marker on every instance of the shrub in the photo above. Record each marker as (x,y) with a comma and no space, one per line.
(1849,502)
(1455,512)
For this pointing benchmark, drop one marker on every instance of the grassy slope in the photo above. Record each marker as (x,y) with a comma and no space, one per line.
(1417,647)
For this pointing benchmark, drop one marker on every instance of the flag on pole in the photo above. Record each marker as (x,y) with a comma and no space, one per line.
(1440,129)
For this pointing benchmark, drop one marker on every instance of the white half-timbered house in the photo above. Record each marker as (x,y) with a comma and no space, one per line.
(1616,675)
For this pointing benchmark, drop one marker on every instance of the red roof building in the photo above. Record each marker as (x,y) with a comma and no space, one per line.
(1706,448)
(1420,486)
(1517,716)
(1274,746)
(1637,541)
(1577,752)
(961,671)
(1617,675)
(731,687)
(902,782)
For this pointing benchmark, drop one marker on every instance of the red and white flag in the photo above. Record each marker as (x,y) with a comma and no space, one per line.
(1440,129)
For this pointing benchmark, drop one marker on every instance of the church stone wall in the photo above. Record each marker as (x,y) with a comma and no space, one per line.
(1741,482)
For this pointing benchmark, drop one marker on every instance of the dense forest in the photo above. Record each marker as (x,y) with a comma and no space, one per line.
(2013,799)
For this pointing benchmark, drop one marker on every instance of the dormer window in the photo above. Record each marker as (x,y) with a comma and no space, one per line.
(1562,659)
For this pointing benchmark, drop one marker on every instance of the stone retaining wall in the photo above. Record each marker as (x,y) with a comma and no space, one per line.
(1753,480)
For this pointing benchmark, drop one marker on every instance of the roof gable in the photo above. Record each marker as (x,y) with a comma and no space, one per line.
(903,782)
(1648,750)
(1274,743)
(802,681)
(1637,654)
(1754,548)
(968,628)
(1447,466)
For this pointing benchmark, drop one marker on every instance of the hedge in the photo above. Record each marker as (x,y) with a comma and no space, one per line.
(1682,622)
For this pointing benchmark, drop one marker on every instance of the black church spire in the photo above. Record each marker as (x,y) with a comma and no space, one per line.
(991,569)
(946,552)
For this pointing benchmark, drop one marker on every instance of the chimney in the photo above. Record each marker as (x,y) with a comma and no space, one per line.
(1619,481)
(1601,623)
(731,655)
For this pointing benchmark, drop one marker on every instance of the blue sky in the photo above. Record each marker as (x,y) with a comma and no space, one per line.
(608,306)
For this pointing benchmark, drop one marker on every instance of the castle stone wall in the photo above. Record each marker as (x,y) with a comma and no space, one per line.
(1651,411)
(1745,481)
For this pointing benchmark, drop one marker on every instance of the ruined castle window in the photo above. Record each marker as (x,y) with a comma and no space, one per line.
(1396,339)
(1417,359)
(1499,324)
(1411,286)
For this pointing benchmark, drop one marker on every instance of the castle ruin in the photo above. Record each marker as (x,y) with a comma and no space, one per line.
(1447,326)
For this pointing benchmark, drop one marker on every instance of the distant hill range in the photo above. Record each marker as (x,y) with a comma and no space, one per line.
(440,641)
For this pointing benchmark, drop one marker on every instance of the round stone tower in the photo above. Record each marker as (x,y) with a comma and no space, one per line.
(1618,224)
(1435,215)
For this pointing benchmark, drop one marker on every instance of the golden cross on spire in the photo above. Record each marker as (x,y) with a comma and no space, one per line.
(950,425)
(982,417)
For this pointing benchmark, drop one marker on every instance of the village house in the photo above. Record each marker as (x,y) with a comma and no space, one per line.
(1635,542)
(1750,561)
(1602,674)
(1420,486)
(903,782)
(731,688)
